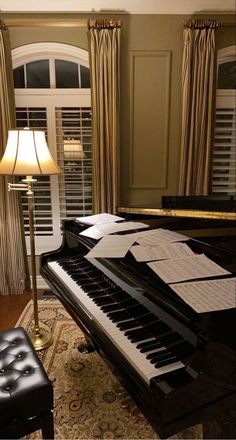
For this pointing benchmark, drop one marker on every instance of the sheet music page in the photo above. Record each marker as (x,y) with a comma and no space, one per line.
(209,295)
(170,250)
(101,230)
(99,218)
(92,232)
(112,246)
(159,236)
(181,269)
(109,228)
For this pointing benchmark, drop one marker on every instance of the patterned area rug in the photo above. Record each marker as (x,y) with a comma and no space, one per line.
(89,402)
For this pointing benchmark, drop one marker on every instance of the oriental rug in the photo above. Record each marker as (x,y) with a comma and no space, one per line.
(89,402)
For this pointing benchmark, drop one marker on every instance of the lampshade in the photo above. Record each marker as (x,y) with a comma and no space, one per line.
(27,154)
(73,149)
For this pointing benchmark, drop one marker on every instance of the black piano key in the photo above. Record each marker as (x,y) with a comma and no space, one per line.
(121,296)
(148,319)
(161,339)
(127,303)
(150,346)
(138,310)
(103,300)
(170,360)
(141,337)
(118,316)
(135,334)
(81,280)
(89,288)
(98,294)
(127,325)
(111,307)
(181,351)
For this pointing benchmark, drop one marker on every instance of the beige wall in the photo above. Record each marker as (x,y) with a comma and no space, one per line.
(151,57)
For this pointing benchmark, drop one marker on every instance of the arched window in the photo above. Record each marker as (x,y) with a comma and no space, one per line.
(224,151)
(52,92)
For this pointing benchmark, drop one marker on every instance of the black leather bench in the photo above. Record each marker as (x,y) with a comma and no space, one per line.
(26,393)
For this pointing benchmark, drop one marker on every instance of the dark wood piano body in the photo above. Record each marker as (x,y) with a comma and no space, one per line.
(202,392)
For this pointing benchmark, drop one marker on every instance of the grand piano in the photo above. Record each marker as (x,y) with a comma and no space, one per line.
(179,366)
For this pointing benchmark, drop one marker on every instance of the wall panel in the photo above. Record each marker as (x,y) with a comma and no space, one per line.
(150,96)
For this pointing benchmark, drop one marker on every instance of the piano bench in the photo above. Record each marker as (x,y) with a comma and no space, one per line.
(26,393)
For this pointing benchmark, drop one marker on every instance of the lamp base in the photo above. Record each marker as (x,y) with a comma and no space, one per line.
(41,339)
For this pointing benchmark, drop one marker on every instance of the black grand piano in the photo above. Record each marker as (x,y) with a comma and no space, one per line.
(178,366)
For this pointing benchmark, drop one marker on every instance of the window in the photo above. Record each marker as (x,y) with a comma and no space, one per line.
(224,150)
(52,92)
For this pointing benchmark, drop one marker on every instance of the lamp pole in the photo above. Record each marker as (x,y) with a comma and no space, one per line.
(40,338)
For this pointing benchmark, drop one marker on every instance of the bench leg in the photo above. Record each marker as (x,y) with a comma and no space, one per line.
(48,427)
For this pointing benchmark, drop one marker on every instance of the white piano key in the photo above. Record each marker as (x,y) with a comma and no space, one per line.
(137,359)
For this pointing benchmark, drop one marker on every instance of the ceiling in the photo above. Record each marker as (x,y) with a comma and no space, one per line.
(128,6)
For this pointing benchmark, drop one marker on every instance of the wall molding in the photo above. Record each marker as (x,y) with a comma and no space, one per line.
(41,283)
(163,58)
(121,6)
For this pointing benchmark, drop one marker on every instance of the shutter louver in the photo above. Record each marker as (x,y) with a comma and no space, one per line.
(74,157)
(224,160)
(43,223)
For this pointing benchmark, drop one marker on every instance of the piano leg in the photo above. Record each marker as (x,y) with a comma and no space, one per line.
(87,347)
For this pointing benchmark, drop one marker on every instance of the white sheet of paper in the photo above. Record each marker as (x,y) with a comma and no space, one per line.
(163,252)
(209,295)
(92,232)
(109,228)
(181,269)
(101,230)
(99,218)
(112,246)
(159,236)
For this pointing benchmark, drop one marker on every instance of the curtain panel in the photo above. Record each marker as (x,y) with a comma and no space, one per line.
(14,275)
(104,50)
(198,82)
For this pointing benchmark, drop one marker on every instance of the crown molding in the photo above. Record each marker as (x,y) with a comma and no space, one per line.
(121,6)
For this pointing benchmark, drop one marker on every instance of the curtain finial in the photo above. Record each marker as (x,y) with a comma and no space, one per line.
(104,24)
(3,26)
(201,24)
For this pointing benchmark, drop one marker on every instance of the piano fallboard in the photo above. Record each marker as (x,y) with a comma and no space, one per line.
(178,366)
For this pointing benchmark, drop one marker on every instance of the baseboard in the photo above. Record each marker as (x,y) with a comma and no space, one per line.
(41,283)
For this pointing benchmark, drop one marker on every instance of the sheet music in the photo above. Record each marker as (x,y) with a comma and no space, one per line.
(112,246)
(209,295)
(92,232)
(181,269)
(109,228)
(159,236)
(99,218)
(101,230)
(170,250)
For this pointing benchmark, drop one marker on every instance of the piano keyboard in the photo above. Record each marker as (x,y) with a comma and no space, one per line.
(148,343)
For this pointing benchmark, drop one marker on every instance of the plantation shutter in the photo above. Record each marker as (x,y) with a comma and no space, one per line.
(224,160)
(43,213)
(74,157)
(69,195)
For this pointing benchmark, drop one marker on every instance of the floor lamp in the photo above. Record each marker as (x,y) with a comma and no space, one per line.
(27,154)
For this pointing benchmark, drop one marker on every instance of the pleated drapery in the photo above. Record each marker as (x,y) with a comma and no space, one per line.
(14,275)
(198,77)
(104,49)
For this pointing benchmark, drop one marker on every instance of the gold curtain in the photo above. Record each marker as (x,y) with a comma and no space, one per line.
(198,80)
(104,49)
(13,260)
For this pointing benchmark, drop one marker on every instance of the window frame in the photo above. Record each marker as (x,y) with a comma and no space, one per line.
(225,98)
(33,97)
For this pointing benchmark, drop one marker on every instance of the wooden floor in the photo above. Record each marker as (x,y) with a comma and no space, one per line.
(11,307)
